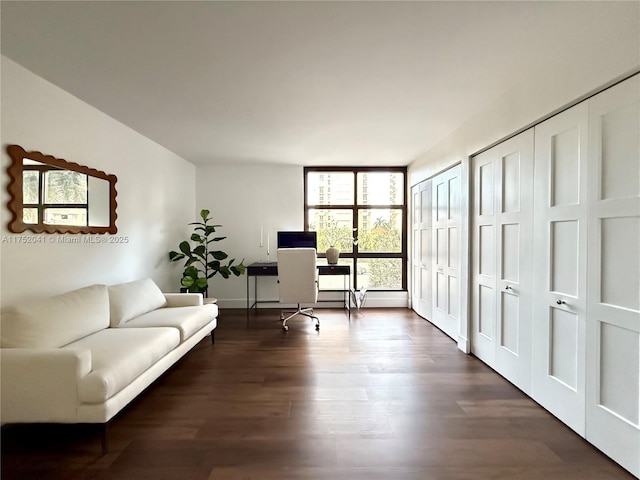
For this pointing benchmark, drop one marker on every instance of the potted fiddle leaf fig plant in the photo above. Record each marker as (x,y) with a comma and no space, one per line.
(201,260)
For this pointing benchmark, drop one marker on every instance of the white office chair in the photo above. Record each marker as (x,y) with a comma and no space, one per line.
(298,282)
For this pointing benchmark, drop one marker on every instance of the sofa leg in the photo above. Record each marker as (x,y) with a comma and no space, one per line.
(213,337)
(104,438)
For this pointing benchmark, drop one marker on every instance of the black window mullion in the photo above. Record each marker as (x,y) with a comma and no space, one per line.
(86,205)
(354,225)
(41,196)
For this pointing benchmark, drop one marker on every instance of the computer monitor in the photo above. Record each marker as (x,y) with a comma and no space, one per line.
(297,240)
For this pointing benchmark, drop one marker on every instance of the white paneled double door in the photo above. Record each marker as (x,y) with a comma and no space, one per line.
(555,294)
(436,252)
(501,245)
(586,315)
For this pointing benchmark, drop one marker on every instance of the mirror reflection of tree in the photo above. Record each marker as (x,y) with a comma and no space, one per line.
(30,185)
(65,186)
(46,186)
(30,215)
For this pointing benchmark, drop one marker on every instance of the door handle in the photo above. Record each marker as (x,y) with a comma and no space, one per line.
(508,287)
(561,302)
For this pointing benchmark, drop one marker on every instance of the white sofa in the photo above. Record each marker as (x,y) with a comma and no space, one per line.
(82,356)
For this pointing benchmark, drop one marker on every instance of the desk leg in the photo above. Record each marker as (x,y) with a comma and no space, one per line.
(255,294)
(347,290)
(344,290)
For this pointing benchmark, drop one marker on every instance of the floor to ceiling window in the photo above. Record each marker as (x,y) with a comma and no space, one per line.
(362,212)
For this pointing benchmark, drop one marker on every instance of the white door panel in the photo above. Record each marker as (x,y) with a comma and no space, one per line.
(446,241)
(484,258)
(416,244)
(422,291)
(514,217)
(613,306)
(501,249)
(559,310)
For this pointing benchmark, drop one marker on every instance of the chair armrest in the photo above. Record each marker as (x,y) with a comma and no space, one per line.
(183,299)
(41,385)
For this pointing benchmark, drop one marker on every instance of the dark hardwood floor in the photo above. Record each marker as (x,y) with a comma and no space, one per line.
(382,396)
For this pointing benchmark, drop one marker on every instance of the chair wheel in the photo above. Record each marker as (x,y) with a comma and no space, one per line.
(285,328)
(318,327)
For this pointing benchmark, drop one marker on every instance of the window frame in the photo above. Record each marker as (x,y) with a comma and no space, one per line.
(356,208)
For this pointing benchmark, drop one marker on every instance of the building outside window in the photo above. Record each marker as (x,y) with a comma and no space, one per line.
(362,212)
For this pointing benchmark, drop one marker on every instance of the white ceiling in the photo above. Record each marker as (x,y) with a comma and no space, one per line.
(311,83)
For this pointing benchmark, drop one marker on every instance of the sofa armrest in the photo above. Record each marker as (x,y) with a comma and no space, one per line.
(183,299)
(41,385)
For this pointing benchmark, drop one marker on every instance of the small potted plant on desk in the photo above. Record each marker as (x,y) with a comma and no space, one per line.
(201,262)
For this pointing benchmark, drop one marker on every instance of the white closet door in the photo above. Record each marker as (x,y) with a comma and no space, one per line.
(559,258)
(422,238)
(514,208)
(613,325)
(483,270)
(446,254)
(502,243)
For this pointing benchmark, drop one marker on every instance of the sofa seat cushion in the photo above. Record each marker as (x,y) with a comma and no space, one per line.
(56,321)
(118,356)
(186,319)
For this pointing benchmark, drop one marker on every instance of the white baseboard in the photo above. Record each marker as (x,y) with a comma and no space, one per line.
(464,344)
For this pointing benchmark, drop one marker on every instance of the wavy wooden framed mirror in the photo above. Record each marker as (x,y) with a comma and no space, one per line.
(52,195)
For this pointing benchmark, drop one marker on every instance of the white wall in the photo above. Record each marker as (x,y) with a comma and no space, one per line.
(581,68)
(155,193)
(244,198)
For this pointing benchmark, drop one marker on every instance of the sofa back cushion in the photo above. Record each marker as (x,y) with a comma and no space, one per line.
(56,321)
(130,300)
